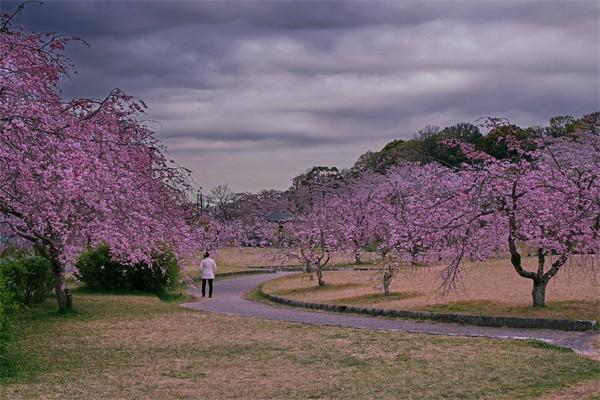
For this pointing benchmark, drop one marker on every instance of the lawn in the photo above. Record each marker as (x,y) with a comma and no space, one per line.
(491,288)
(242,259)
(138,347)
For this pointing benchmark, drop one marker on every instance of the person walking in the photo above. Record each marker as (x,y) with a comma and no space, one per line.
(208,266)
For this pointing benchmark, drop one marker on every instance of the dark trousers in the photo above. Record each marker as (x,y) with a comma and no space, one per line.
(210,287)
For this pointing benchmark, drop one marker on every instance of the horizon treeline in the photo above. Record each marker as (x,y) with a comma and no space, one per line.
(429,144)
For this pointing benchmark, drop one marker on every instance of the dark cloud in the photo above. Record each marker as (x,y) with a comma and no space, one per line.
(251,93)
(276,139)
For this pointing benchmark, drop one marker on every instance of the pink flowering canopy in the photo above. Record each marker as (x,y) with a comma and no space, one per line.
(77,173)
(351,209)
(545,197)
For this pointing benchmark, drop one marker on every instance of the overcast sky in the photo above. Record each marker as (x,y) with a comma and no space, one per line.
(253,93)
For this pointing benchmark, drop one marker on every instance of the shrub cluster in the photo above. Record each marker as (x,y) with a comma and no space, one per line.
(28,277)
(24,279)
(98,271)
(7,309)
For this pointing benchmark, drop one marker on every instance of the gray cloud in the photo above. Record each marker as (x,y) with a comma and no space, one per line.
(252,93)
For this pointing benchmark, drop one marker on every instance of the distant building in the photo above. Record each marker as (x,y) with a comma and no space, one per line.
(280,217)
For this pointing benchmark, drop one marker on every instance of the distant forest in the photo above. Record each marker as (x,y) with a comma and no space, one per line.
(494,136)
(429,144)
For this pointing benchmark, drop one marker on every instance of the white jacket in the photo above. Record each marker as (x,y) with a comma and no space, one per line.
(208,266)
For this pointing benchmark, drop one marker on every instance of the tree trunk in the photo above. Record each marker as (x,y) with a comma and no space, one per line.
(387,278)
(357,258)
(63,297)
(539,293)
(309,268)
(320,276)
(357,249)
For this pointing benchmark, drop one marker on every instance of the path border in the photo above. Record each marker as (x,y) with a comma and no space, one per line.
(235,274)
(479,320)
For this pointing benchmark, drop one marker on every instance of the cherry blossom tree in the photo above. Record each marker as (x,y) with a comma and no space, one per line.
(409,218)
(542,194)
(544,197)
(312,238)
(214,234)
(77,173)
(548,199)
(350,206)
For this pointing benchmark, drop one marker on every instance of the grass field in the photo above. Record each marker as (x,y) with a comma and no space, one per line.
(251,259)
(137,347)
(491,288)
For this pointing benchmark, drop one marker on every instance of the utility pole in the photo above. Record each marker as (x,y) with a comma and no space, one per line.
(199,202)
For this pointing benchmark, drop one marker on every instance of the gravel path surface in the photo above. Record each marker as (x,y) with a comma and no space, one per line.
(229,299)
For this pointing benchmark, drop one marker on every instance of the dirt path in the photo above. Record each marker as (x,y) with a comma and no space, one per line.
(229,299)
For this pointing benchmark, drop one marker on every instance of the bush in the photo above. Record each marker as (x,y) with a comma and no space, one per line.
(28,277)
(7,309)
(162,274)
(97,270)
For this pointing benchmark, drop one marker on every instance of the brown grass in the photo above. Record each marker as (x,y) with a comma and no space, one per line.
(585,390)
(234,259)
(491,288)
(130,347)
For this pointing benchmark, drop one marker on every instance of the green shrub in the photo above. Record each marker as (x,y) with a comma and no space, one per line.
(28,277)
(97,270)
(7,309)
(156,278)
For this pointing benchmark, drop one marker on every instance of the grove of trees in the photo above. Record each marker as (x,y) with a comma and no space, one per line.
(82,173)
(462,196)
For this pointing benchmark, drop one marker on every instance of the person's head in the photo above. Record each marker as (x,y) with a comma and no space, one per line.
(206,254)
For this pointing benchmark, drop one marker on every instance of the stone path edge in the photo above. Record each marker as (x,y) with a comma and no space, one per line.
(478,320)
(235,274)
(275,269)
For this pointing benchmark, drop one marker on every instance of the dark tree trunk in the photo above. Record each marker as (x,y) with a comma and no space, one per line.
(539,293)
(63,297)
(387,278)
(320,276)
(540,280)
(309,268)
(357,258)
(357,249)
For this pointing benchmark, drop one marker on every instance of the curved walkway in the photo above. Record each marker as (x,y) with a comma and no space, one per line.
(229,299)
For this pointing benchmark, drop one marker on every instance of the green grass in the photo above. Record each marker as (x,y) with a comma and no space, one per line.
(555,309)
(374,298)
(257,295)
(464,307)
(310,289)
(543,345)
(363,265)
(42,323)
(173,294)
(132,346)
